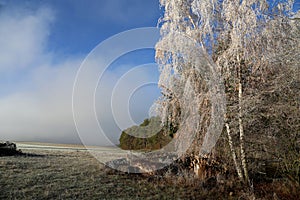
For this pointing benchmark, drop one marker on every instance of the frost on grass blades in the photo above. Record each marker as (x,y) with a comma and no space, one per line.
(91,128)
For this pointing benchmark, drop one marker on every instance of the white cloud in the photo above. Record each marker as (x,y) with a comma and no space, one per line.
(23,37)
(42,111)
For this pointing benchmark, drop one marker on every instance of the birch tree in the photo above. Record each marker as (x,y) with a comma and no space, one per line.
(244,40)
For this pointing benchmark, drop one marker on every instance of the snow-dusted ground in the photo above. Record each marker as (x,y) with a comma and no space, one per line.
(103,154)
(63,147)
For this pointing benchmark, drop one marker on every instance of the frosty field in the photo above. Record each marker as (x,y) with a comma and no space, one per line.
(48,171)
(70,172)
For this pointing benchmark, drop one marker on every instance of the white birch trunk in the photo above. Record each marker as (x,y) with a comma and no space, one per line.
(241,128)
(233,154)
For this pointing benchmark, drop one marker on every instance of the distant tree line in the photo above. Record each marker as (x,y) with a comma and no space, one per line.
(149,135)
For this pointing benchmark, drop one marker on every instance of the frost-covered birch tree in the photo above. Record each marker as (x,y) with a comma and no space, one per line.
(244,40)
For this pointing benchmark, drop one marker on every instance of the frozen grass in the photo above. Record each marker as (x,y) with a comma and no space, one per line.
(77,175)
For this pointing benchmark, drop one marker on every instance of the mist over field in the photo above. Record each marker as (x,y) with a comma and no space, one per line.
(38,68)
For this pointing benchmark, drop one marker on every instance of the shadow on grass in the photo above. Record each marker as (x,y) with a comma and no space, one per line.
(18,153)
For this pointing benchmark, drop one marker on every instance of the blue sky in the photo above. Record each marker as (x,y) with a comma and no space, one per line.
(42,45)
(90,22)
(79,25)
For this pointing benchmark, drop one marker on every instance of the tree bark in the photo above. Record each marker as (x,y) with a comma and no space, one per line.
(241,127)
(233,154)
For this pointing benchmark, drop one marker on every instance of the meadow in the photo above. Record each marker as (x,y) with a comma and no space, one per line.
(76,174)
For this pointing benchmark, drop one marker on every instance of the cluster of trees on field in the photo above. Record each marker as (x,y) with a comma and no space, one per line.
(250,50)
(149,135)
(9,149)
(230,79)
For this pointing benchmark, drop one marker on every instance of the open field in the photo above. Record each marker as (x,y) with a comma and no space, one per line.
(72,173)
(68,147)
(53,174)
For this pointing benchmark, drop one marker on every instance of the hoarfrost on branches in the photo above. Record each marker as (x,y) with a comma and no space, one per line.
(207,42)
